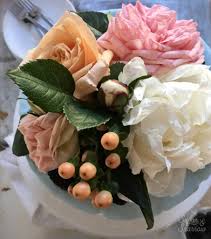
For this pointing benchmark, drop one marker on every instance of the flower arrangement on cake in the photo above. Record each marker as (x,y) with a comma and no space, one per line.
(120,107)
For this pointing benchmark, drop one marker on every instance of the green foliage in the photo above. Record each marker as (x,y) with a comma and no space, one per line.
(97,21)
(92,158)
(133,84)
(84,118)
(134,187)
(75,160)
(115,125)
(19,147)
(122,152)
(115,70)
(46,83)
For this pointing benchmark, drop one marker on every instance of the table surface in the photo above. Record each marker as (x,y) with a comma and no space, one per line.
(14,221)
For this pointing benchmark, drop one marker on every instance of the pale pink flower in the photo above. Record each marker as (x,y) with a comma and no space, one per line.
(50,139)
(155,35)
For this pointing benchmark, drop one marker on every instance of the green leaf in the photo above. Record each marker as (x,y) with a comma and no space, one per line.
(75,160)
(118,201)
(115,70)
(46,83)
(19,147)
(92,158)
(95,31)
(111,186)
(88,138)
(120,102)
(133,84)
(97,21)
(115,125)
(134,187)
(93,183)
(84,118)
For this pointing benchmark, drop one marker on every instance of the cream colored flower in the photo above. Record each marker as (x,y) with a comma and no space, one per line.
(170,123)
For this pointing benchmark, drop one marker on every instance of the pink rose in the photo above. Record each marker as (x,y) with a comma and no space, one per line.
(50,139)
(155,35)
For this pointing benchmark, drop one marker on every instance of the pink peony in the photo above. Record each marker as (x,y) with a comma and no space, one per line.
(155,35)
(50,139)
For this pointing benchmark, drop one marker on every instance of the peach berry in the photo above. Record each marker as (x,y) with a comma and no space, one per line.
(81,191)
(66,170)
(110,141)
(87,171)
(103,199)
(113,161)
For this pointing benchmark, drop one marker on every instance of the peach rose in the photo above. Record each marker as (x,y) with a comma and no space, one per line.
(50,139)
(155,35)
(71,43)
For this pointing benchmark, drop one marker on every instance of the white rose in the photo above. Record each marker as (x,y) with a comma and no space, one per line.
(170,123)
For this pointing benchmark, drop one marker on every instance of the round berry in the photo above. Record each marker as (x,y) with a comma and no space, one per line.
(81,191)
(66,170)
(113,161)
(87,171)
(110,141)
(103,199)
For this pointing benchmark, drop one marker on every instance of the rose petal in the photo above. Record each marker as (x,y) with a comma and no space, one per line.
(155,35)
(50,139)
(170,127)
(88,83)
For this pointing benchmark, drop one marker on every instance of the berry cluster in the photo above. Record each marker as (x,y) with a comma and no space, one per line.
(86,172)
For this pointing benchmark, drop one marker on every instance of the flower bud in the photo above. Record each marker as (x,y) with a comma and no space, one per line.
(114,95)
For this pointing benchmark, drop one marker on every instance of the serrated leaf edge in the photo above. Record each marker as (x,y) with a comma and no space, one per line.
(82,128)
